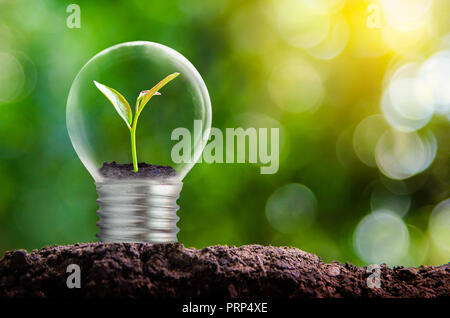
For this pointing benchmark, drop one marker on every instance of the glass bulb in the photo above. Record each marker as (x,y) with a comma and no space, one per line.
(137,208)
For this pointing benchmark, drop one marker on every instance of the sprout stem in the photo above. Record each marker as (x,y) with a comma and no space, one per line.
(133,148)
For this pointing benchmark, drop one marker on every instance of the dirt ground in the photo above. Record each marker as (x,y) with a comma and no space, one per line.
(171,270)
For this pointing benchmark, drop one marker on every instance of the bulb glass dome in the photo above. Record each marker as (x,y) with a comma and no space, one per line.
(100,135)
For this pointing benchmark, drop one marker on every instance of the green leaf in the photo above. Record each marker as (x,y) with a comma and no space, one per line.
(119,102)
(149,94)
(141,95)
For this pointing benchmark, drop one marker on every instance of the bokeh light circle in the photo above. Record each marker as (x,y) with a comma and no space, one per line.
(12,77)
(366,136)
(406,15)
(260,120)
(381,237)
(405,186)
(434,75)
(407,44)
(335,42)
(439,226)
(383,199)
(406,103)
(400,155)
(291,207)
(296,86)
(301,26)
(419,245)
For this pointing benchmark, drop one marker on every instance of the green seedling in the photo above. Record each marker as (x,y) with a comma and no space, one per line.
(124,110)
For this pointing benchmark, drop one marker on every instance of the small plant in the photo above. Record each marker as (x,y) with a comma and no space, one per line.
(123,108)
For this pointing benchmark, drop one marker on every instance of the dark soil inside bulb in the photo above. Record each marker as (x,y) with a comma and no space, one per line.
(115,170)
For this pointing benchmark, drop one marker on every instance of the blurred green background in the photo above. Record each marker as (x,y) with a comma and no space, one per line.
(359,89)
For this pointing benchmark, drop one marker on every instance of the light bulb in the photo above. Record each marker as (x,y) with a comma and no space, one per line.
(134,207)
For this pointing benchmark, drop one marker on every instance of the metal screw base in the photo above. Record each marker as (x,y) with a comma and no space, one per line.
(138,210)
